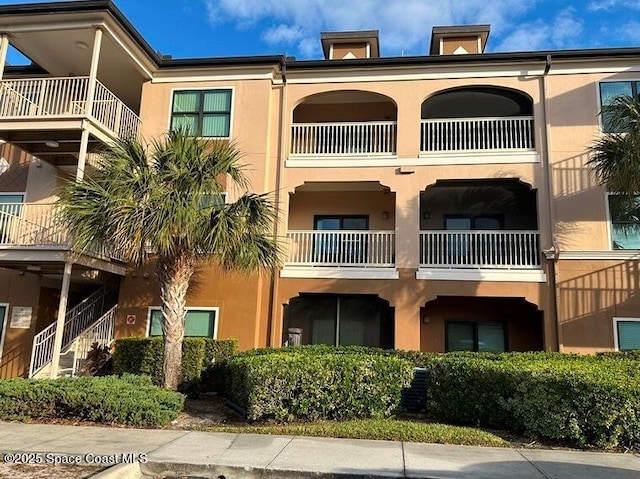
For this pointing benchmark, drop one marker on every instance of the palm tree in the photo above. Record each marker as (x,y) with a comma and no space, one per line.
(164,202)
(615,157)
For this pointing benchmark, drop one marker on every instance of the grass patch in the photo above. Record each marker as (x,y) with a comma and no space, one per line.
(381,429)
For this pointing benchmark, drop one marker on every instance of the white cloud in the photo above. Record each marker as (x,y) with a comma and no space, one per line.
(597,5)
(630,31)
(536,35)
(405,25)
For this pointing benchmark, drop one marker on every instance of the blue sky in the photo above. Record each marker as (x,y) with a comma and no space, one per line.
(198,28)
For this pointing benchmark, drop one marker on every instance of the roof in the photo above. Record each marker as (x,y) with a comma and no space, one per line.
(440,32)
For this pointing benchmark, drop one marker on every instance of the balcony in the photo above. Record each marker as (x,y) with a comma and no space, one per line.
(343,128)
(477,134)
(507,250)
(34,227)
(66,99)
(352,139)
(328,251)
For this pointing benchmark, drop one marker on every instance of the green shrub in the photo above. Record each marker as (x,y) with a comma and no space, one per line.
(127,400)
(217,353)
(581,400)
(303,386)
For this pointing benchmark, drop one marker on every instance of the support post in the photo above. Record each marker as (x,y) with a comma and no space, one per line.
(93,70)
(4,47)
(82,154)
(62,312)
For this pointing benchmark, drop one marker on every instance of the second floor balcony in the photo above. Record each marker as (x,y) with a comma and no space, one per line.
(42,99)
(27,228)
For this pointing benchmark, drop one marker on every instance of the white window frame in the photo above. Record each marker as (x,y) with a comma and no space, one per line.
(231,113)
(5,326)
(620,319)
(599,99)
(188,308)
(607,194)
(13,193)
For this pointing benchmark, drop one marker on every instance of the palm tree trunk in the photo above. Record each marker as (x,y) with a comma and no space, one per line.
(174,274)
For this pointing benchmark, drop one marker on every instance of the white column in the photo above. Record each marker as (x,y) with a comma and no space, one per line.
(82,155)
(4,47)
(93,70)
(62,312)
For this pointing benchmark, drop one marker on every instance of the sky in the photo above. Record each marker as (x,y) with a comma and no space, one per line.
(211,28)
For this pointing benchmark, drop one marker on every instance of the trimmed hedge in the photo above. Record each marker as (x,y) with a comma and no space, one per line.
(583,401)
(128,400)
(146,356)
(288,386)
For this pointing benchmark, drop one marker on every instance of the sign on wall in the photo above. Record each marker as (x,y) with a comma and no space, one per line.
(21,317)
(131,319)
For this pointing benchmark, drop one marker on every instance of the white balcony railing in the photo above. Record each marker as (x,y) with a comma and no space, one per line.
(480,249)
(464,134)
(66,98)
(361,249)
(30,224)
(370,138)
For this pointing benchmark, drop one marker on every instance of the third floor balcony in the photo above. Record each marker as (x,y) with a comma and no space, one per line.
(50,99)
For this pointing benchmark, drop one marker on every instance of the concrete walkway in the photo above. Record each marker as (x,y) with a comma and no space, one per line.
(234,456)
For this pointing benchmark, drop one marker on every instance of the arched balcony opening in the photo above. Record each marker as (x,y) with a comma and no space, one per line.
(477,119)
(342,124)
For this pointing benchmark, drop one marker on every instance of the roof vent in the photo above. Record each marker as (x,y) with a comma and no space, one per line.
(459,40)
(350,45)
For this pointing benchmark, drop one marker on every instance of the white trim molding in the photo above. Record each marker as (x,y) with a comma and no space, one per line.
(619,254)
(498,275)
(616,320)
(188,308)
(338,273)
(479,157)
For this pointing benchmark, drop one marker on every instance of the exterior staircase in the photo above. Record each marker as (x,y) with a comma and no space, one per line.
(93,320)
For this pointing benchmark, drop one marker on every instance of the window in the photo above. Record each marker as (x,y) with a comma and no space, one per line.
(474,222)
(341,320)
(611,90)
(627,333)
(205,113)
(348,248)
(475,336)
(198,322)
(625,222)
(10,210)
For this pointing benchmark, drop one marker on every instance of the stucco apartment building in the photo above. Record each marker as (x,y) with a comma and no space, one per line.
(436,202)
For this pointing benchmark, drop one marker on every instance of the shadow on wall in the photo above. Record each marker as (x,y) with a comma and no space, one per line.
(15,361)
(588,303)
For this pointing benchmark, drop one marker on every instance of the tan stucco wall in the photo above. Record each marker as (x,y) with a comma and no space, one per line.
(15,178)
(238,296)
(590,295)
(359,50)
(451,44)
(18,290)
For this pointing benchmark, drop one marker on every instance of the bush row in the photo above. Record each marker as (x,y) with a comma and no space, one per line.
(127,400)
(289,386)
(202,360)
(583,401)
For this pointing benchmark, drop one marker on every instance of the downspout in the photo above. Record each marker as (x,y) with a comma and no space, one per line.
(552,255)
(275,275)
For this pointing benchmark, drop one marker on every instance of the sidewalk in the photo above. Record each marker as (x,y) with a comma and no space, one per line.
(251,456)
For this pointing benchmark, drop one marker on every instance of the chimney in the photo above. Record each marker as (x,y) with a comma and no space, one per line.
(348,45)
(459,39)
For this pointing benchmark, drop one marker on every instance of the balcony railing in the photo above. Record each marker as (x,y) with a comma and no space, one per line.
(30,224)
(35,225)
(371,138)
(479,134)
(66,98)
(480,249)
(361,249)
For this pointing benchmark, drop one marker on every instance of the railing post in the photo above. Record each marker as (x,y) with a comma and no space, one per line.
(4,47)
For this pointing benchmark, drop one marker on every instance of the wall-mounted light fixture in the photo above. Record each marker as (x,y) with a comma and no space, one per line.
(52,143)
(426,215)
(385,215)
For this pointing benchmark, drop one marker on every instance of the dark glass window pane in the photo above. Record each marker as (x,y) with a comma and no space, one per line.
(609,91)
(355,223)
(487,223)
(457,223)
(491,337)
(625,222)
(360,321)
(460,337)
(331,224)
(628,335)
